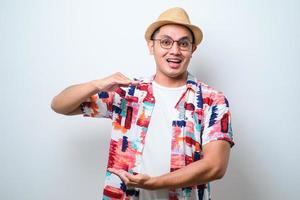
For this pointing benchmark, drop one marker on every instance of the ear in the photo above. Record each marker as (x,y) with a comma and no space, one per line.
(150,44)
(194,48)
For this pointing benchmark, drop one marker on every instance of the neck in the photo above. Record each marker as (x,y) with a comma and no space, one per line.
(171,81)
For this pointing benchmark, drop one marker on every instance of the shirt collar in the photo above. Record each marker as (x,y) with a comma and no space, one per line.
(191,82)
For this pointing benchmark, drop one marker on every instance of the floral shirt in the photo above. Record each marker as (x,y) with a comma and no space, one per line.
(203,116)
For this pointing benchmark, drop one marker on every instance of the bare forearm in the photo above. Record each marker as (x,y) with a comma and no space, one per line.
(68,101)
(211,167)
(71,97)
(196,173)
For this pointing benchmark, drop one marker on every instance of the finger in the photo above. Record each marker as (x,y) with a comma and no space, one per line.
(129,81)
(111,170)
(120,77)
(121,81)
(125,78)
(115,171)
(132,177)
(137,179)
(120,173)
(124,178)
(126,84)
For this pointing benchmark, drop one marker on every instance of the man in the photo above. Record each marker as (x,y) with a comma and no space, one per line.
(171,133)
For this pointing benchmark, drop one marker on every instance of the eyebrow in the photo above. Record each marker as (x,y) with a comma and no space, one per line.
(184,37)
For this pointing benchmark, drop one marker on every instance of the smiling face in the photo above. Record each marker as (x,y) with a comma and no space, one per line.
(171,64)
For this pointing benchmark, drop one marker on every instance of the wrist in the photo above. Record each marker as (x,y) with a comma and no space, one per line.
(94,85)
(154,183)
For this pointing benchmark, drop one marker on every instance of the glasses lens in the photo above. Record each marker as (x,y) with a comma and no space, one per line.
(184,44)
(166,43)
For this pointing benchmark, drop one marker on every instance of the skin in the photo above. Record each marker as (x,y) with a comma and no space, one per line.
(167,74)
(211,167)
(68,101)
(215,154)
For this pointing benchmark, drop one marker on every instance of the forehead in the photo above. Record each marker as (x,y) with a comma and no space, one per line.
(175,31)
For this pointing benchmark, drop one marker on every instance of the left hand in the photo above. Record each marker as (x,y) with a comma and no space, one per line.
(137,181)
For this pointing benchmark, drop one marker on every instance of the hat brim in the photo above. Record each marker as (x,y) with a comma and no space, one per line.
(196,30)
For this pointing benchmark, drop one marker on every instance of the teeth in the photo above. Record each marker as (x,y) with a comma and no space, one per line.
(174,60)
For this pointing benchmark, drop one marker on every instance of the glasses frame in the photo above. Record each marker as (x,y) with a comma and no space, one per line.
(173,41)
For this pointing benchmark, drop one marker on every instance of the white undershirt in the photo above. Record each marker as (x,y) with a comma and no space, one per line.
(157,149)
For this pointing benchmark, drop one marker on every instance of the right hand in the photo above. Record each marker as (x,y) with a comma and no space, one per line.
(112,82)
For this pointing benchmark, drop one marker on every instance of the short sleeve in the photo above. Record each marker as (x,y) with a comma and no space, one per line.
(217,121)
(98,105)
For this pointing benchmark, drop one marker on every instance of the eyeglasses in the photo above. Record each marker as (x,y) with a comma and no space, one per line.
(184,44)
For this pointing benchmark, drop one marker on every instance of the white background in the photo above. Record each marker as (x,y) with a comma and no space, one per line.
(250,52)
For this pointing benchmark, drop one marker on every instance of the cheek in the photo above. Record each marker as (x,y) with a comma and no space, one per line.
(188,56)
(159,53)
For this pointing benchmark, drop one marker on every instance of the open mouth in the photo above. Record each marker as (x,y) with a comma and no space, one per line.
(174,61)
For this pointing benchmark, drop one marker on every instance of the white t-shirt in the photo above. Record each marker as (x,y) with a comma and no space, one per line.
(157,149)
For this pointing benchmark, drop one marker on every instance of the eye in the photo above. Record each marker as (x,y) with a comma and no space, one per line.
(166,42)
(184,43)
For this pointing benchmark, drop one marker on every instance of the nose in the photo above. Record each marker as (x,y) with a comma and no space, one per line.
(175,49)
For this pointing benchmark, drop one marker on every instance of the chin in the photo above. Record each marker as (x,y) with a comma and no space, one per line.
(175,73)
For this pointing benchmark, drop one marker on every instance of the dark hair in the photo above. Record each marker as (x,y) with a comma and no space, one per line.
(157,31)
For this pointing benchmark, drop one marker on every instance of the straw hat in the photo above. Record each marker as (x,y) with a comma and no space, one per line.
(174,15)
